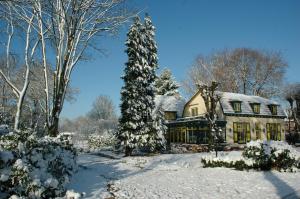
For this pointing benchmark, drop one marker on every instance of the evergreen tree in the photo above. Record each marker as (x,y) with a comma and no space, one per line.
(136,97)
(137,127)
(165,84)
(156,124)
(157,141)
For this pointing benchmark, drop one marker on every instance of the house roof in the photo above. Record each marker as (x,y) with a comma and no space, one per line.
(246,101)
(170,103)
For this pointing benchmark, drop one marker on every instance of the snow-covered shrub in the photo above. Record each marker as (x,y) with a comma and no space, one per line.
(105,140)
(33,167)
(272,155)
(260,155)
(238,164)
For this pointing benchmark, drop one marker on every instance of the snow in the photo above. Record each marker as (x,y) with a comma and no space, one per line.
(72,195)
(177,176)
(170,103)
(51,182)
(227,98)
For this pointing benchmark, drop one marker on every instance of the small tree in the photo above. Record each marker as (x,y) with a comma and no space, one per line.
(215,137)
(165,84)
(158,141)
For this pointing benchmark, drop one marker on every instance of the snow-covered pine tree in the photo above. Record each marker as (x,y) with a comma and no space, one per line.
(137,98)
(165,84)
(157,141)
(156,136)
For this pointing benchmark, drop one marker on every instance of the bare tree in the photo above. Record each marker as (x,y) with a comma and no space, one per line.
(103,109)
(103,114)
(241,70)
(293,97)
(67,27)
(210,97)
(6,95)
(8,15)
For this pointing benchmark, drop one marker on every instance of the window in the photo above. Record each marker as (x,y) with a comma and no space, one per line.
(194,111)
(237,107)
(258,131)
(256,108)
(273,109)
(241,132)
(273,131)
(192,135)
(182,134)
(170,115)
(171,134)
(197,135)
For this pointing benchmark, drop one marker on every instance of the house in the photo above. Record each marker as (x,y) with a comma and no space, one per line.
(241,117)
(186,121)
(251,118)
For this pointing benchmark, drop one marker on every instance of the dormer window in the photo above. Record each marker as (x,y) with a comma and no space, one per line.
(170,115)
(256,108)
(273,109)
(194,111)
(236,107)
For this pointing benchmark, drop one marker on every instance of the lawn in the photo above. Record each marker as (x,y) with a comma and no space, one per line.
(176,176)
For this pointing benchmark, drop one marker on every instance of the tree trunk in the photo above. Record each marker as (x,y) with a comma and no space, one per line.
(128,151)
(58,102)
(20,104)
(53,128)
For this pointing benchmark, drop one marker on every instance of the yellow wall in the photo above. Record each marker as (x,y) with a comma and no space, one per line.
(196,101)
(252,121)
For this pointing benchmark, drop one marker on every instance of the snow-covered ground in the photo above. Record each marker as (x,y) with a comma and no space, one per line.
(176,176)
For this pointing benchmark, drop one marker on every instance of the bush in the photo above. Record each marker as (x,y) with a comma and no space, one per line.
(293,138)
(260,155)
(33,167)
(257,152)
(105,140)
(238,164)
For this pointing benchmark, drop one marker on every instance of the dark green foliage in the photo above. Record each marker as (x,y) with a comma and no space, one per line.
(238,165)
(283,160)
(263,158)
(34,167)
(136,128)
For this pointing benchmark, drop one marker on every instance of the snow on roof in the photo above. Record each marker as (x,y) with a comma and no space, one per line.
(246,101)
(170,103)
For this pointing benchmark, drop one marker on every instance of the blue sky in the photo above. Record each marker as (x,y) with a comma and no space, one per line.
(187,28)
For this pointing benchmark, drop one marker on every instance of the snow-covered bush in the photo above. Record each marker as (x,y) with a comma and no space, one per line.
(260,155)
(272,155)
(33,167)
(105,140)
(237,164)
